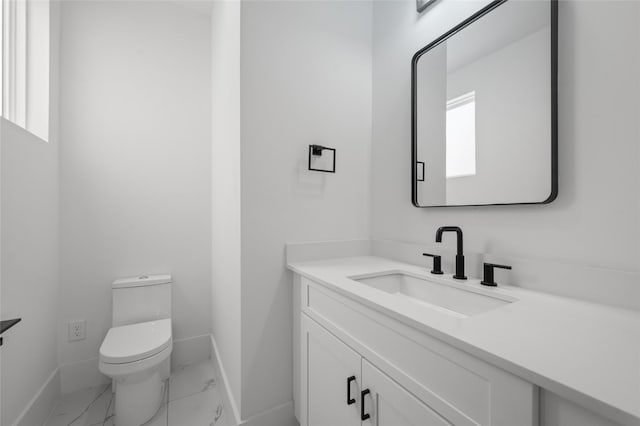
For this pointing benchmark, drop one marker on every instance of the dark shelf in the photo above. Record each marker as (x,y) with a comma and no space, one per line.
(7,324)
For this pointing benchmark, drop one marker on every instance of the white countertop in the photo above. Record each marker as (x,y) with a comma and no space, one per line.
(585,352)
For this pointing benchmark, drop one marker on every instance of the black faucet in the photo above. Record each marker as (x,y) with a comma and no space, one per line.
(459,275)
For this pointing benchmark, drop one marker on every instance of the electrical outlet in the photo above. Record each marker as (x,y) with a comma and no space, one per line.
(77,330)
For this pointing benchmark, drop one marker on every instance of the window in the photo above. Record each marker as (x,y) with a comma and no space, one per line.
(25,64)
(461,136)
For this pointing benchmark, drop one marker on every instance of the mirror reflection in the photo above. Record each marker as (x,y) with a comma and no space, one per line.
(483,115)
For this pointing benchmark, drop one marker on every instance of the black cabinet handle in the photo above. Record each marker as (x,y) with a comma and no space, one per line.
(363,416)
(349,399)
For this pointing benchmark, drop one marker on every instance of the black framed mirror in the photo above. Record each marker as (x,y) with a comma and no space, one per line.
(484,109)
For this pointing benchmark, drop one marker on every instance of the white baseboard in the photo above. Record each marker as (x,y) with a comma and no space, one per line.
(42,404)
(281,415)
(191,350)
(227,395)
(79,375)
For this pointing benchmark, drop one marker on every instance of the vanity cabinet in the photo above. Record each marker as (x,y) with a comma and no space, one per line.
(340,381)
(349,354)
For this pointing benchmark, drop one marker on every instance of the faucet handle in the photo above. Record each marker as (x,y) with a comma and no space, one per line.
(488,273)
(437,263)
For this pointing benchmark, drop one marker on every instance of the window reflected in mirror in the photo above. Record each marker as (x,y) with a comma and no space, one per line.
(461,136)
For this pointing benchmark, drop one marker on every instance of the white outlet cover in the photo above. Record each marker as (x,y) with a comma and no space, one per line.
(77,330)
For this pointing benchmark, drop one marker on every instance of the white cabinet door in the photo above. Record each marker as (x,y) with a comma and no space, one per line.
(388,404)
(332,371)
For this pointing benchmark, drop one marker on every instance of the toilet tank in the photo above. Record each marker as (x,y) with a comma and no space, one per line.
(141,299)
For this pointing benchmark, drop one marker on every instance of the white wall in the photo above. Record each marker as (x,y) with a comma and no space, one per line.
(306,78)
(225,158)
(29,265)
(135,160)
(29,284)
(594,221)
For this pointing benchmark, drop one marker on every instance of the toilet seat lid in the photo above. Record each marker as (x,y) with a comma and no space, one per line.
(129,343)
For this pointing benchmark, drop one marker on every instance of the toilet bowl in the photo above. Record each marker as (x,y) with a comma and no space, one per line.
(136,357)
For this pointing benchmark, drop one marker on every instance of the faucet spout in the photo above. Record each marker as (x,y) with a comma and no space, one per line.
(460,249)
(457,230)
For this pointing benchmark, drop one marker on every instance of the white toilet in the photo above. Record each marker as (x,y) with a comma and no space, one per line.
(135,353)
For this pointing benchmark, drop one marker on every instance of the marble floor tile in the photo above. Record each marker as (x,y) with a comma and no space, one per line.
(190,399)
(110,410)
(162,416)
(98,410)
(75,409)
(191,379)
(202,409)
(159,419)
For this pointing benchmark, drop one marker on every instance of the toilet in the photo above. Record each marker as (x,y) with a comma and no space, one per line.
(135,352)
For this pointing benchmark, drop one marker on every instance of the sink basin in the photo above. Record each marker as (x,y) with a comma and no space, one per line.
(450,298)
